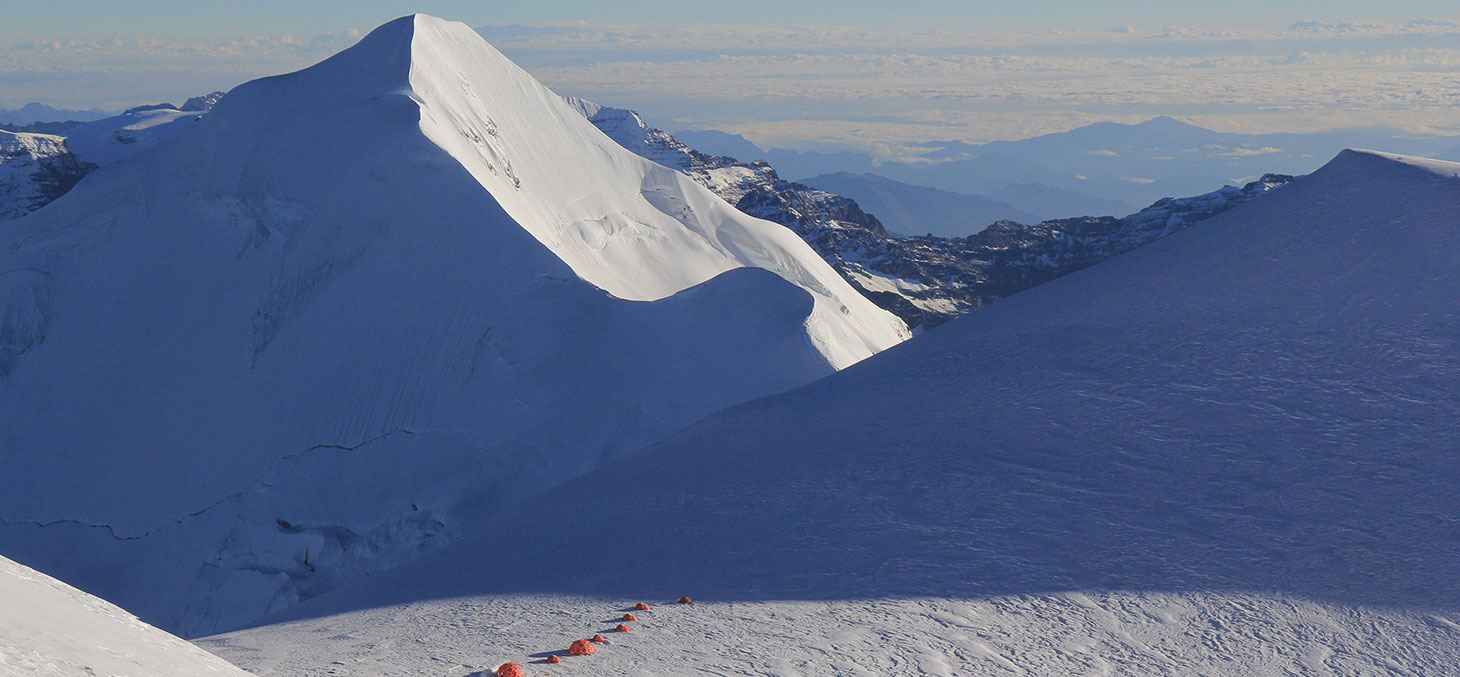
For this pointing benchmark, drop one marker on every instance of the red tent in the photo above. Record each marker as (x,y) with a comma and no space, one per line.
(582,647)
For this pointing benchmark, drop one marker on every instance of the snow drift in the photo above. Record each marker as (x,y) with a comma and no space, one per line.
(357,308)
(1231,451)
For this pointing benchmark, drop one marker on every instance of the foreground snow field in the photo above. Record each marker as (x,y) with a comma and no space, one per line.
(1231,452)
(1074,633)
(50,629)
(356,310)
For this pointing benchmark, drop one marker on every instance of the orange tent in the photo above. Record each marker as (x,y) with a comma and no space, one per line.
(510,670)
(582,647)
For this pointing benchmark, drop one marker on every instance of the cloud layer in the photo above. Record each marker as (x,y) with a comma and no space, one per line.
(832,86)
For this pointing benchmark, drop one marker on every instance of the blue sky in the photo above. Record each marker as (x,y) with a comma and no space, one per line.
(176,19)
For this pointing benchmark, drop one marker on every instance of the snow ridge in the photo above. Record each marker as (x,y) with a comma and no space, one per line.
(458,254)
(578,214)
(924,280)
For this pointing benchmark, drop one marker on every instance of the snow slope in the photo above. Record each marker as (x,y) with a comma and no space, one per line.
(50,629)
(356,309)
(38,164)
(108,140)
(1230,452)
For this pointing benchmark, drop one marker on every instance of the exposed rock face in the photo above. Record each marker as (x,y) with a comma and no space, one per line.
(35,169)
(40,162)
(924,280)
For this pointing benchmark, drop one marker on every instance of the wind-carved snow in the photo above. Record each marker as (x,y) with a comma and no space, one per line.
(50,629)
(1229,452)
(237,375)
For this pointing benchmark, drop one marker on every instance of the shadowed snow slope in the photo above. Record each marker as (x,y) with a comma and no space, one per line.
(1248,424)
(355,309)
(50,629)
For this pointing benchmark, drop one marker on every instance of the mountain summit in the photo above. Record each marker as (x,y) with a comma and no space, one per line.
(357,308)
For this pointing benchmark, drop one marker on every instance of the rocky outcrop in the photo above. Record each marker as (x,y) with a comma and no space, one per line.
(925,280)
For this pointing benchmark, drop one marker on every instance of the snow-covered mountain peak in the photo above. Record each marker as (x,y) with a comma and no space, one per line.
(1352,163)
(563,181)
(355,309)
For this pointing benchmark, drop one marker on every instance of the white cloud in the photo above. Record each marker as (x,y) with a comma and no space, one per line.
(840,87)
(120,73)
(1250,152)
(1310,26)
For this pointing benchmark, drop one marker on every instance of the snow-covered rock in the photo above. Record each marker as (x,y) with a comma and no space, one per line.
(924,280)
(38,168)
(50,629)
(1229,452)
(35,169)
(356,309)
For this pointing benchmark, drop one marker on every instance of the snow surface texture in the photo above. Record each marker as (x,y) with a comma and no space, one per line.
(50,629)
(1230,452)
(357,309)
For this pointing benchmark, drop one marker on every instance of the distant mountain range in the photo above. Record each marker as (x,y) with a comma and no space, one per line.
(1132,164)
(905,209)
(930,279)
(38,112)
